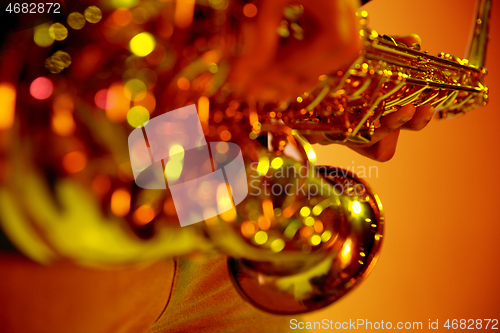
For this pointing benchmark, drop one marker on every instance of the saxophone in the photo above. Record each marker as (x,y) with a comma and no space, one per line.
(289,253)
(348,106)
(388,75)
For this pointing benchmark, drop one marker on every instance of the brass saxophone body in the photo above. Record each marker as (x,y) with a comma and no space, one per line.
(388,75)
(288,253)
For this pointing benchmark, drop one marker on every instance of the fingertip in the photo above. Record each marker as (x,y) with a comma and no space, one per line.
(409,39)
(417,38)
(423,115)
(400,117)
(382,151)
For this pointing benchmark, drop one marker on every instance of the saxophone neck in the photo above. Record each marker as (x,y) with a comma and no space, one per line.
(478,42)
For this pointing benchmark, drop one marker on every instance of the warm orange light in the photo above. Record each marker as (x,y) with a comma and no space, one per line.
(212,56)
(122,16)
(149,102)
(169,207)
(289,211)
(225,135)
(184,11)
(118,113)
(306,231)
(254,117)
(346,253)
(264,223)
(268,208)
(183,83)
(250,10)
(120,202)
(225,203)
(203,112)
(63,123)
(346,249)
(318,227)
(62,117)
(7,105)
(74,162)
(248,229)
(143,215)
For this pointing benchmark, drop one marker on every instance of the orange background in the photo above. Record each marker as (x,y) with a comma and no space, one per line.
(440,192)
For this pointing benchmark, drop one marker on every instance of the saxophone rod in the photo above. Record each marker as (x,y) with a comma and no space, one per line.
(478,42)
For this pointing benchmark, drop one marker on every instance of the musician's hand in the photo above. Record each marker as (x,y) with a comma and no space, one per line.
(384,141)
(382,147)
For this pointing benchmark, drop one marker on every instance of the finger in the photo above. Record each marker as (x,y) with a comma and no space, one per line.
(390,123)
(421,118)
(317,138)
(383,150)
(408,39)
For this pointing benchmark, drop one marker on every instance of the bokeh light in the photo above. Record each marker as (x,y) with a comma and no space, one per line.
(250,10)
(135,90)
(143,215)
(142,44)
(124,3)
(122,17)
(222,147)
(356,207)
(41,88)
(225,135)
(118,113)
(120,202)
(277,162)
(57,62)
(8,105)
(248,229)
(63,123)
(173,169)
(106,99)
(183,83)
(42,36)
(260,237)
(137,116)
(264,222)
(74,162)
(203,112)
(305,211)
(183,16)
(76,20)
(92,14)
(58,31)
(277,245)
(176,152)
(149,102)
(315,240)
(218,4)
